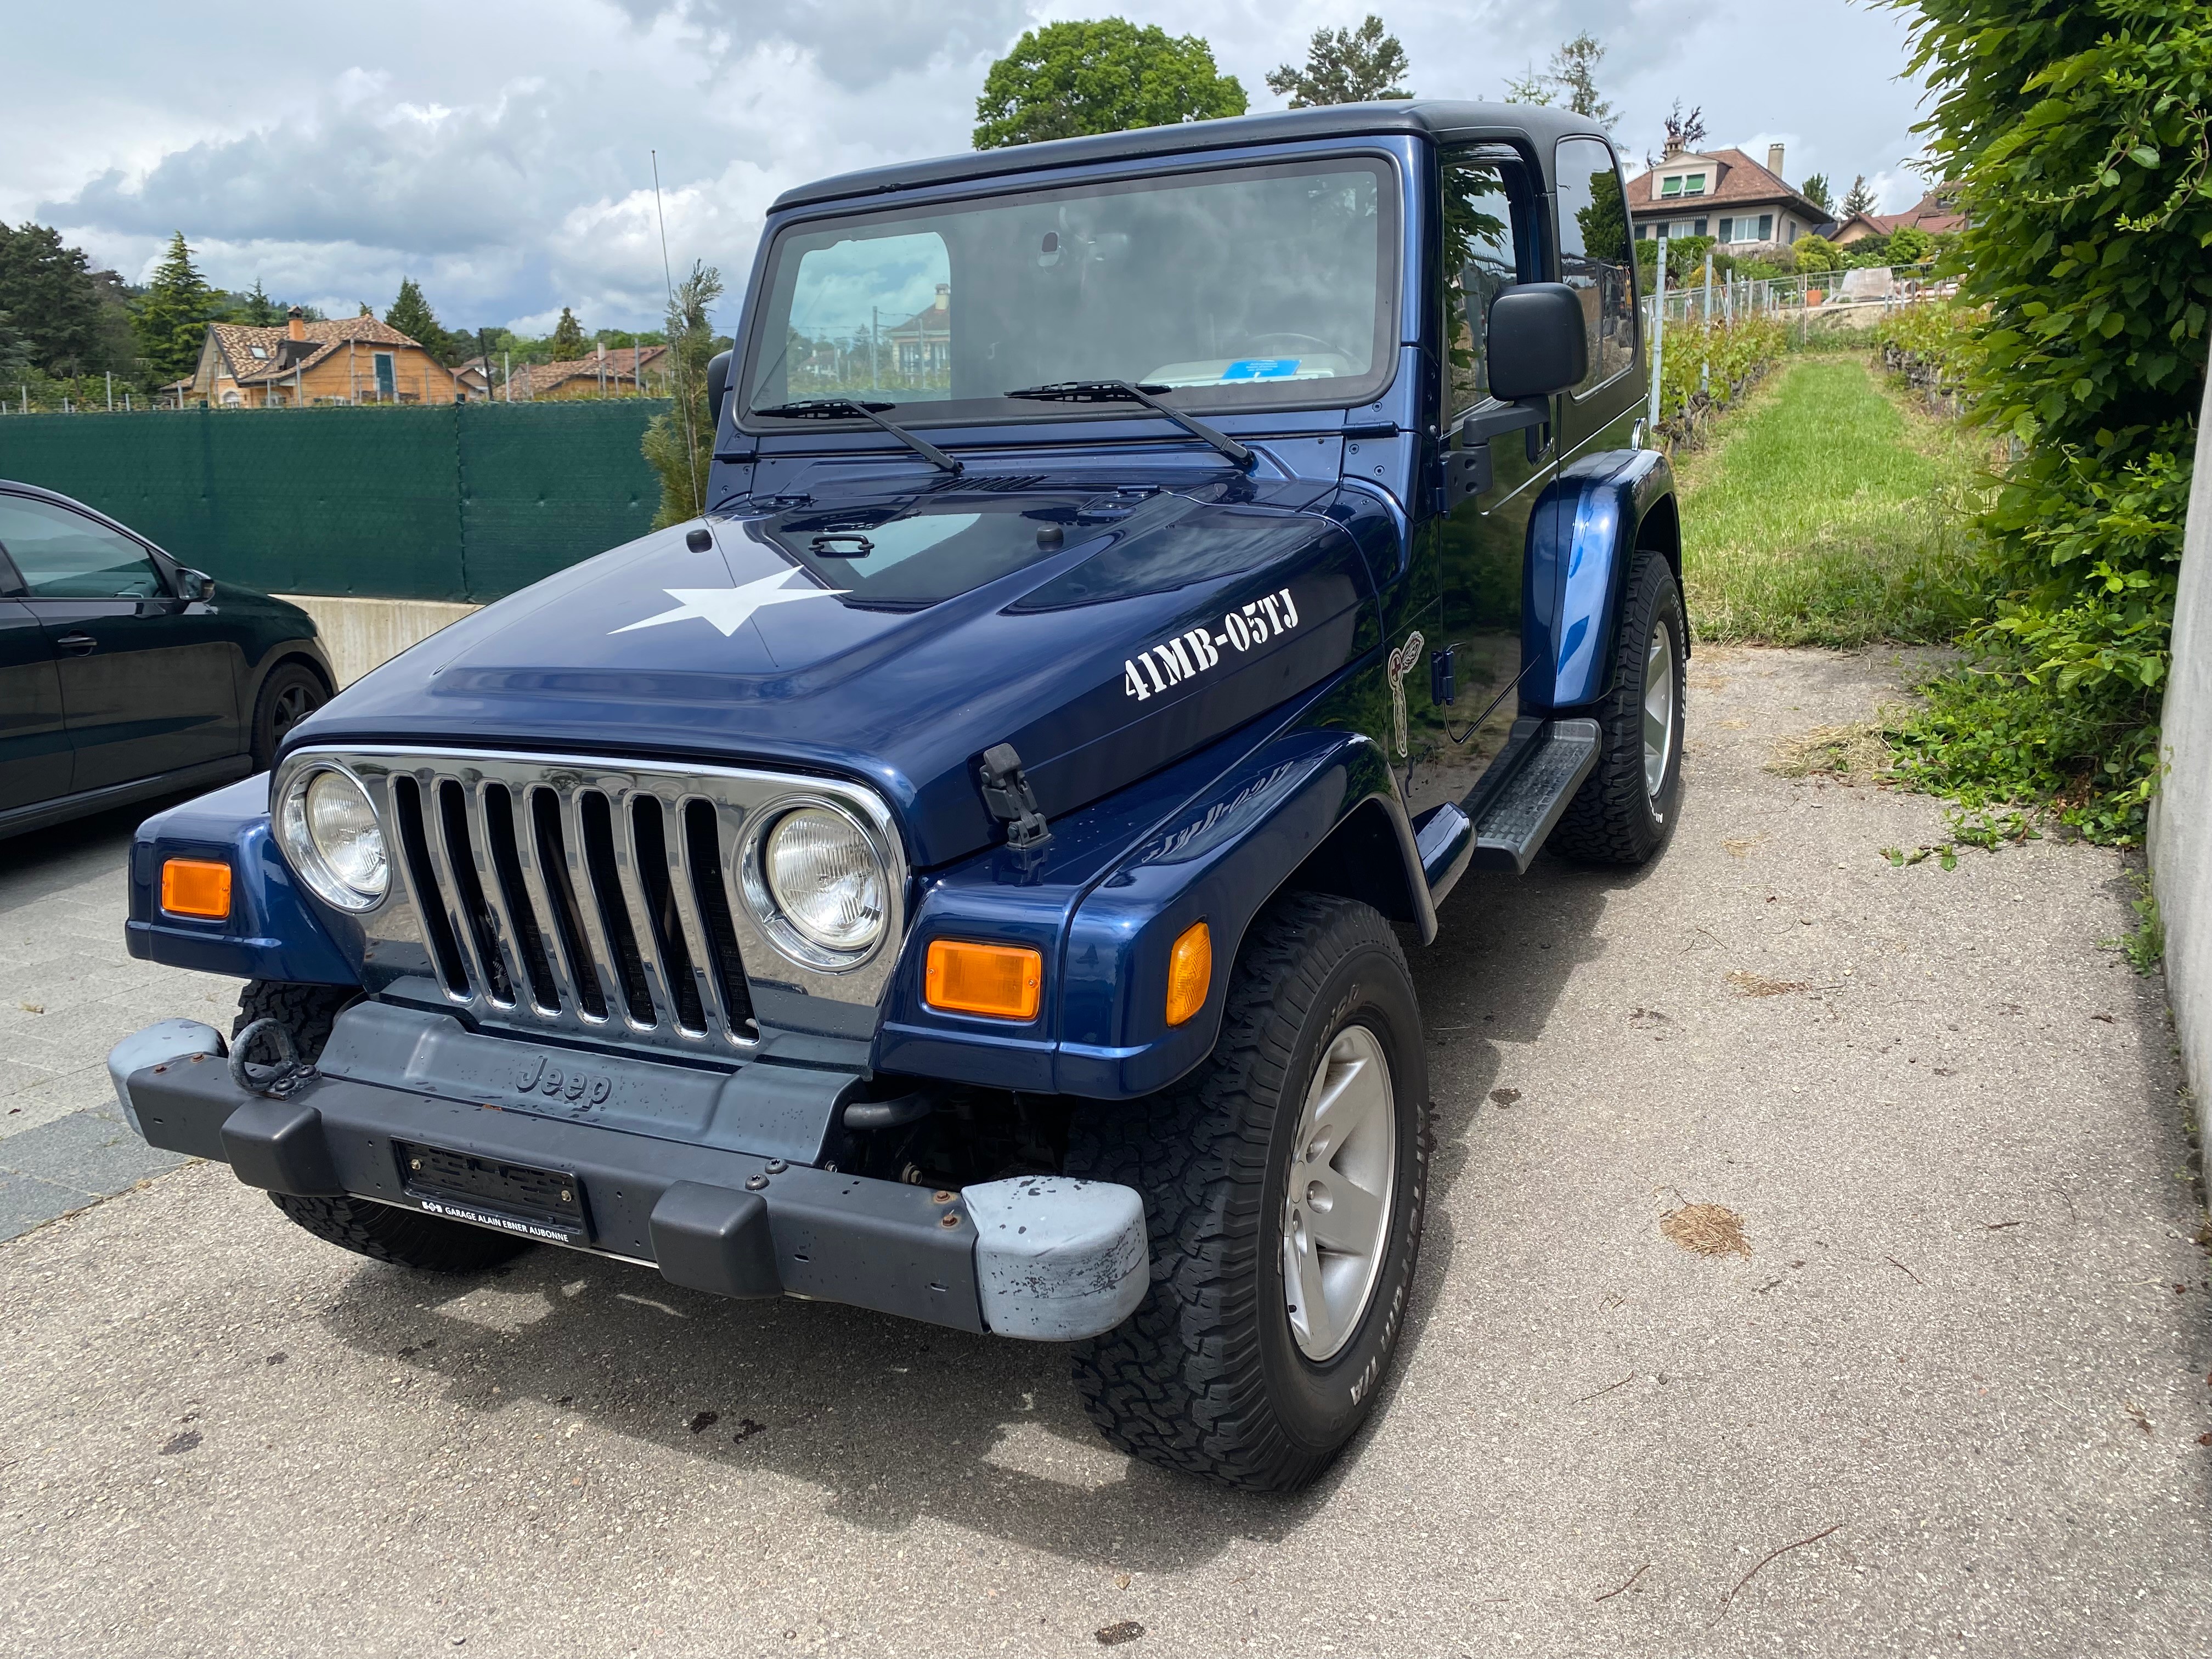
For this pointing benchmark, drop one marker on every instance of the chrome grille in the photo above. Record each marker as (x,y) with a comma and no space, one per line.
(598,897)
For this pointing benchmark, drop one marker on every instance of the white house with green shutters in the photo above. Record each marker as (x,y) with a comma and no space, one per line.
(1723,194)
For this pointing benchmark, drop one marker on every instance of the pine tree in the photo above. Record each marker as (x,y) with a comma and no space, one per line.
(1345,66)
(1861,199)
(411,315)
(1574,72)
(174,315)
(1815,190)
(679,444)
(568,342)
(257,308)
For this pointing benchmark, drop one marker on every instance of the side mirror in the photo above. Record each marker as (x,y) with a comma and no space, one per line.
(718,386)
(195,584)
(1539,344)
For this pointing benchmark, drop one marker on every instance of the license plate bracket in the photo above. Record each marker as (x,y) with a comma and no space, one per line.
(494,1192)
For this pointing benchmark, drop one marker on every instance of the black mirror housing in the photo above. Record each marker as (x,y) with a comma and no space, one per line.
(718,386)
(195,584)
(1538,342)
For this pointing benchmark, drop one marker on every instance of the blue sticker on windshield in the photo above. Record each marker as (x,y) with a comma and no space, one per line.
(1261,368)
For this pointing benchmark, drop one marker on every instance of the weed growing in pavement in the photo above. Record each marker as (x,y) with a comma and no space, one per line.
(2144,944)
(1987,830)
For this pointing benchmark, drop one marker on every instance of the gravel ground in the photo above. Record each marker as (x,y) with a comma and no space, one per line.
(1946,1397)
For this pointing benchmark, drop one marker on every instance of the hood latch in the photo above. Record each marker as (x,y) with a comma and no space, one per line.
(1008,797)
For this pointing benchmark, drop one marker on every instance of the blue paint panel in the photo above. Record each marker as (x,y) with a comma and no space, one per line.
(273,931)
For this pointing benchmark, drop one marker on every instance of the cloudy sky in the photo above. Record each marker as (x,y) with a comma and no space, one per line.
(501,153)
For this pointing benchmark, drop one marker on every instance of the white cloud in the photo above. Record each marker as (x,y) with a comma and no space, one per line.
(502,153)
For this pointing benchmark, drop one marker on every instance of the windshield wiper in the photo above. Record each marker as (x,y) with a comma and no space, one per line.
(852,409)
(1125,391)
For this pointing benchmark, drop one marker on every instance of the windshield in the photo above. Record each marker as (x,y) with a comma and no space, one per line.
(1243,287)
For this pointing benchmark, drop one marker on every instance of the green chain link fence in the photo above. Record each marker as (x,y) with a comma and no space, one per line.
(464,501)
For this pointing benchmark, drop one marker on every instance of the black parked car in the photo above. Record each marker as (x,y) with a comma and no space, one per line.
(126,675)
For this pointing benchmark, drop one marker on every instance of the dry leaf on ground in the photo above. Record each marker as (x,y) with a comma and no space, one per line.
(1849,754)
(1708,1228)
(1756,985)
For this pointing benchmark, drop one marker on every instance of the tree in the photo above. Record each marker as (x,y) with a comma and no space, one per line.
(1571,77)
(568,341)
(1815,190)
(172,316)
(1816,253)
(2076,138)
(411,315)
(1860,198)
(1109,76)
(1345,66)
(680,443)
(59,305)
(257,309)
(1685,131)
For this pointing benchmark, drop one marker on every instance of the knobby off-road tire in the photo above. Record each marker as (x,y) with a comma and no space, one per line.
(1626,809)
(402,1238)
(1208,1376)
(291,693)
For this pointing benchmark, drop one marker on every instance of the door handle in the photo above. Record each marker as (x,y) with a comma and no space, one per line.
(77,644)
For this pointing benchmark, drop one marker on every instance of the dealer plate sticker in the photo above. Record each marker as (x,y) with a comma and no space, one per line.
(550,1232)
(1189,654)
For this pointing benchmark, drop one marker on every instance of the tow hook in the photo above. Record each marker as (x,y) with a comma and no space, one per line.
(276,1081)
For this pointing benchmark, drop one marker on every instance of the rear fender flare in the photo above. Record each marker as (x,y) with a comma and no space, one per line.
(1598,512)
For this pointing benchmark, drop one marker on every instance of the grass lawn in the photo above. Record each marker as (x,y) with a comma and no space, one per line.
(1829,514)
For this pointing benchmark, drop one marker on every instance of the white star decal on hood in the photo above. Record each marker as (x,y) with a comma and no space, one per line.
(730,608)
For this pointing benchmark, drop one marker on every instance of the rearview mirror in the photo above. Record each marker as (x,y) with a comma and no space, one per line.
(195,584)
(718,386)
(1538,344)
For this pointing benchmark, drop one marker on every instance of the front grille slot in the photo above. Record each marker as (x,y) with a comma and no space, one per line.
(437,925)
(605,881)
(590,899)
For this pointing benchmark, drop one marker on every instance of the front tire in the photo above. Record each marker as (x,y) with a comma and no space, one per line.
(1284,1184)
(1625,812)
(402,1238)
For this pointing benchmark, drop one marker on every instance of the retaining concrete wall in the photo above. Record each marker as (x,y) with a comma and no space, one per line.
(2181,815)
(359,634)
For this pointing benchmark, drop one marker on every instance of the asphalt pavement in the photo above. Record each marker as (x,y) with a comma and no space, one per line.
(1945,1387)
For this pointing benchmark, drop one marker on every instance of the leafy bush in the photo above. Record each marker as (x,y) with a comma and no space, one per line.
(1936,336)
(1816,253)
(1709,365)
(2078,136)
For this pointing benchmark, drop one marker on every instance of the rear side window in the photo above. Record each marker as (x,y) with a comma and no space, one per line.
(1489,244)
(1594,255)
(63,555)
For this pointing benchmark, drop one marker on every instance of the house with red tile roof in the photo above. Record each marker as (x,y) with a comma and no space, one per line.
(1723,194)
(622,372)
(348,360)
(1936,213)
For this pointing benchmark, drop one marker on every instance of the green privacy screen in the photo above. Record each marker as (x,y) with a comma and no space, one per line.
(457,501)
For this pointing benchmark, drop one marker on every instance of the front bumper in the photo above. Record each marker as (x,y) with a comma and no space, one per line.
(1045,1258)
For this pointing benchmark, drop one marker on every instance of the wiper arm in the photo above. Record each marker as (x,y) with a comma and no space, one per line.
(851,409)
(1127,392)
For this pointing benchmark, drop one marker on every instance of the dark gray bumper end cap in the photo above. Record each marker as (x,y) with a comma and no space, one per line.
(710,1238)
(278,1146)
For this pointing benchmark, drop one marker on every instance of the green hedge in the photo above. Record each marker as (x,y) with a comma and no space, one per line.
(454,502)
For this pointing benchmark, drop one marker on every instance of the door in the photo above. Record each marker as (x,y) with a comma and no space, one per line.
(34,752)
(1598,260)
(148,681)
(1465,682)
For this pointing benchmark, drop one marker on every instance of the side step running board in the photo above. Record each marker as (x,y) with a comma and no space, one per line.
(1511,823)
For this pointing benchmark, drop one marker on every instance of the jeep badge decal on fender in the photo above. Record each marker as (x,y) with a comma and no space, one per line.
(1188,655)
(1402,659)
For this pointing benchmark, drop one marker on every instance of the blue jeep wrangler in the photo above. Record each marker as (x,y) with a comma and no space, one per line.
(964,873)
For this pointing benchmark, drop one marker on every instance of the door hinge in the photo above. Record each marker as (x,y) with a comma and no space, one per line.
(1441,686)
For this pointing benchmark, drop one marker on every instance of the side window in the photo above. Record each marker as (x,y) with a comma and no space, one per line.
(1488,246)
(1595,258)
(63,555)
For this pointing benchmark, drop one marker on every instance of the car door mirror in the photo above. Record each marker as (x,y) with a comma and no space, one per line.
(1538,343)
(718,386)
(195,584)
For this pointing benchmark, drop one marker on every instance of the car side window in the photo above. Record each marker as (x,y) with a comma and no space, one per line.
(1595,254)
(63,555)
(1488,246)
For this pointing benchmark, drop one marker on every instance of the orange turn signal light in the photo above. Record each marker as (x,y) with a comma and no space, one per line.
(195,887)
(1002,980)
(1190,972)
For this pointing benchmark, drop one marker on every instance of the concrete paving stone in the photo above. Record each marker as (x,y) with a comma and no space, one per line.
(25,1202)
(95,1150)
(1951,1402)
(85,1089)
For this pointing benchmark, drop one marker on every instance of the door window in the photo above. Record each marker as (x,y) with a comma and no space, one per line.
(63,555)
(1487,248)
(1594,255)
(387,379)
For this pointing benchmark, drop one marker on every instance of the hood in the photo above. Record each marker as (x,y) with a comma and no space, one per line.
(891,638)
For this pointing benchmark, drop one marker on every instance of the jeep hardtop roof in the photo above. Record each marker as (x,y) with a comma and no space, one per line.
(1438,118)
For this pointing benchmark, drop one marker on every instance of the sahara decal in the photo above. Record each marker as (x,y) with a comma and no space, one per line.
(1189,654)
(1402,659)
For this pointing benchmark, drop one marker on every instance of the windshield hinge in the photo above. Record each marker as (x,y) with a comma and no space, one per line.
(1008,799)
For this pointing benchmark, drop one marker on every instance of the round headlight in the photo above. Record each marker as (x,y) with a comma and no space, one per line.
(333,840)
(826,878)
